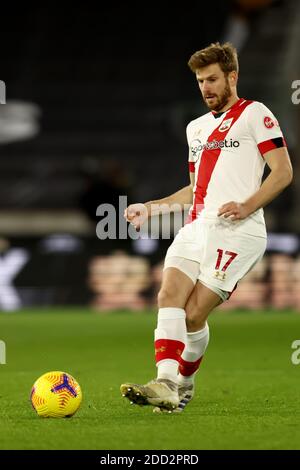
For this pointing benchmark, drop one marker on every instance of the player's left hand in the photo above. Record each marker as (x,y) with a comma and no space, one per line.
(234,210)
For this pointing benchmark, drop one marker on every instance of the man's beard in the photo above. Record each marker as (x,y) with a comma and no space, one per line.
(222,100)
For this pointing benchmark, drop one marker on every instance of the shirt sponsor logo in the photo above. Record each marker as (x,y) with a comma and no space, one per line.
(225,125)
(197,146)
(269,122)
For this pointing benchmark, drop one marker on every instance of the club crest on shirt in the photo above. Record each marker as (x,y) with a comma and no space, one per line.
(225,125)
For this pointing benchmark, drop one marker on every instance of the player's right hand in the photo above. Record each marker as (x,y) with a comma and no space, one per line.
(136,214)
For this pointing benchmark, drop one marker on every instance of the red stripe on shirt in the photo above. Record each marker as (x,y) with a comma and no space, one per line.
(210,157)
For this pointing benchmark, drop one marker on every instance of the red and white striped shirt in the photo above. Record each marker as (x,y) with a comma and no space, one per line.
(226,154)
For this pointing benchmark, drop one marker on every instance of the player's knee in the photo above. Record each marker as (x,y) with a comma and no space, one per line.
(169,297)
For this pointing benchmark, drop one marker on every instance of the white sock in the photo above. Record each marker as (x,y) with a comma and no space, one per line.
(170,340)
(192,355)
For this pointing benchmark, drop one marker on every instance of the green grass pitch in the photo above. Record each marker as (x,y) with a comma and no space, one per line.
(248,394)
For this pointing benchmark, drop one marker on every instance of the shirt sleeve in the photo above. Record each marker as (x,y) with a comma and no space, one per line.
(264,128)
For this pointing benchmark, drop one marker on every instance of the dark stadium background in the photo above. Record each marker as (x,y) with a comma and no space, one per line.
(97,104)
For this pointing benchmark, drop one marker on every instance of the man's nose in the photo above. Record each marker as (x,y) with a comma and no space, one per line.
(205,87)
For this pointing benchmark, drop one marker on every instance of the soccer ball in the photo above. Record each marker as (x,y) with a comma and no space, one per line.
(56,394)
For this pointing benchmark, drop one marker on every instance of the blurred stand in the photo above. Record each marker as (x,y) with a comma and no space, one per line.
(239,24)
(12,260)
(18,121)
(281,281)
(118,281)
(296,283)
(68,270)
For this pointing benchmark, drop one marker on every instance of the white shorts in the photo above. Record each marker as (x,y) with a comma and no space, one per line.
(192,270)
(224,254)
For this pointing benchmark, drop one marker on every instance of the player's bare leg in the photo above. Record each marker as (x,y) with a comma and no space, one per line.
(170,340)
(200,304)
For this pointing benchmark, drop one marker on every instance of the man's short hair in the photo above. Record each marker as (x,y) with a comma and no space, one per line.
(223,54)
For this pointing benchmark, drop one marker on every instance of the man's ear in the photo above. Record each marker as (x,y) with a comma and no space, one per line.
(233,76)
